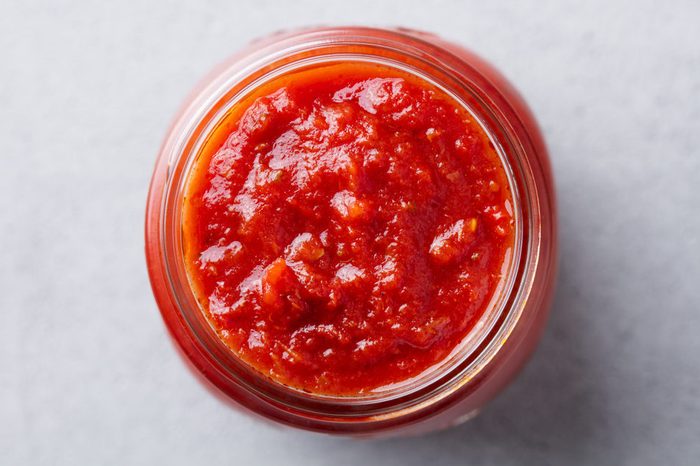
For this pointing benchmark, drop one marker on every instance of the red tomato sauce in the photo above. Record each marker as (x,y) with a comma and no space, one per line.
(345,228)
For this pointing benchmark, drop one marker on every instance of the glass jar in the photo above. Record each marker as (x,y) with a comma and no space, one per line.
(498,346)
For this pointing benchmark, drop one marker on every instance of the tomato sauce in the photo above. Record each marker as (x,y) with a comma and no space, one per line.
(345,227)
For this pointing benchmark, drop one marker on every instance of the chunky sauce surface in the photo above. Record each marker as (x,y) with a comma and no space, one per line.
(346,227)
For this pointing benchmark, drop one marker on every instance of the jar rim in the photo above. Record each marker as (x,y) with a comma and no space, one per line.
(281,56)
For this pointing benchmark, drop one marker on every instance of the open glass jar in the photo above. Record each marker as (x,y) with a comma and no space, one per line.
(507,333)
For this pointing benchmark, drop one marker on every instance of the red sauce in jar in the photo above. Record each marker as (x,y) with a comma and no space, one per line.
(345,227)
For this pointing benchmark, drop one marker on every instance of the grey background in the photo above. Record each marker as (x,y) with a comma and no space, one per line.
(87,374)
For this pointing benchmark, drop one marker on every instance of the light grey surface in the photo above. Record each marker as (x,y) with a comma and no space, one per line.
(87,375)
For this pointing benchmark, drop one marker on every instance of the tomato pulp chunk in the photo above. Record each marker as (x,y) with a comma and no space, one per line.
(345,227)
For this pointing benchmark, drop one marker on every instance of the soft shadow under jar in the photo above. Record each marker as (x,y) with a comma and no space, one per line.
(353,231)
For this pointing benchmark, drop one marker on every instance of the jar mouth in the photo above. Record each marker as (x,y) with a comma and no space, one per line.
(486,336)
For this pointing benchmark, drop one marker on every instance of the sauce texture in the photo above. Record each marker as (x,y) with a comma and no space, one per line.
(345,228)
